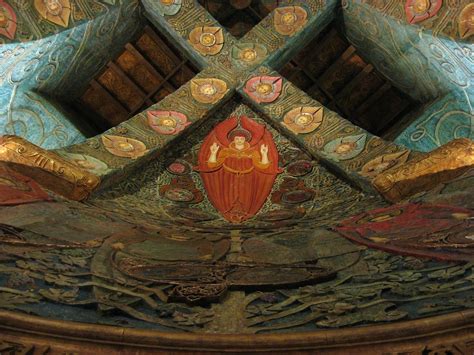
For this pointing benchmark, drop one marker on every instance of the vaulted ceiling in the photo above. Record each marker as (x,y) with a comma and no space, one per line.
(329,69)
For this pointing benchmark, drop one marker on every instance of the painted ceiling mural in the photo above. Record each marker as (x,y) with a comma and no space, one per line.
(237,204)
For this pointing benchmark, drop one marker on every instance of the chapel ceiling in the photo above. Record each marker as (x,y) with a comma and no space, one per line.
(147,70)
(328,68)
(237,199)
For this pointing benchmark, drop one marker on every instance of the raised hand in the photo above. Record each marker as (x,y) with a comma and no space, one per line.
(264,152)
(214,148)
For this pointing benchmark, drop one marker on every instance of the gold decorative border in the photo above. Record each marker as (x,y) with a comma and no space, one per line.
(47,168)
(441,165)
(407,337)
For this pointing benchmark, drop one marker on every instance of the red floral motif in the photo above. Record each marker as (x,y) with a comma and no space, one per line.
(420,10)
(167,122)
(264,89)
(7,20)
(16,189)
(435,231)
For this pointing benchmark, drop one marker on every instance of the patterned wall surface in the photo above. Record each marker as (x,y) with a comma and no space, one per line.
(58,67)
(423,63)
(148,249)
(29,20)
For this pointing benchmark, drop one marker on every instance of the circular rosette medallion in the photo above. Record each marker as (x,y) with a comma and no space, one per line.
(420,10)
(208,91)
(466,21)
(297,196)
(289,20)
(248,53)
(384,163)
(124,147)
(169,7)
(7,21)
(303,119)
(300,168)
(179,167)
(167,122)
(207,40)
(177,194)
(345,148)
(55,11)
(264,89)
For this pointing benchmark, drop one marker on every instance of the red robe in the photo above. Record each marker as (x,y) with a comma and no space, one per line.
(238,183)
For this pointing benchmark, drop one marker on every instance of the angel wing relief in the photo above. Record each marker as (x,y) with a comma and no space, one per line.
(238,164)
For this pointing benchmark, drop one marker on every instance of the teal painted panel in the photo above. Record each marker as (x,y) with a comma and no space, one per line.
(38,79)
(430,68)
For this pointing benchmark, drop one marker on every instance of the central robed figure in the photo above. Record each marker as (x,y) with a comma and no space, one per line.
(238,163)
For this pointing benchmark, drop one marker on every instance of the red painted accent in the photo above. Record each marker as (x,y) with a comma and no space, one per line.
(413,17)
(236,186)
(436,231)
(17,189)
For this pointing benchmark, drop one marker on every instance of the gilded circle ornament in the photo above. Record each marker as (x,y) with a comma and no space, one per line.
(169,7)
(55,11)
(420,10)
(383,163)
(207,40)
(123,146)
(167,122)
(208,91)
(304,119)
(264,89)
(247,53)
(289,20)
(345,148)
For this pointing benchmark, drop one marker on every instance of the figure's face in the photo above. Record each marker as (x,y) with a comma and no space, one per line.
(238,140)
(53,7)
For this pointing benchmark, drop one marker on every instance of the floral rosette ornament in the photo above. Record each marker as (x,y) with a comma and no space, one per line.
(87,162)
(466,21)
(420,10)
(167,122)
(169,7)
(208,91)
(124,147)
(55,11)
(383,163)
(248,53)
(207,40)
(303,119)
(289,20)
(345,148)
(7,20)
(264,89)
